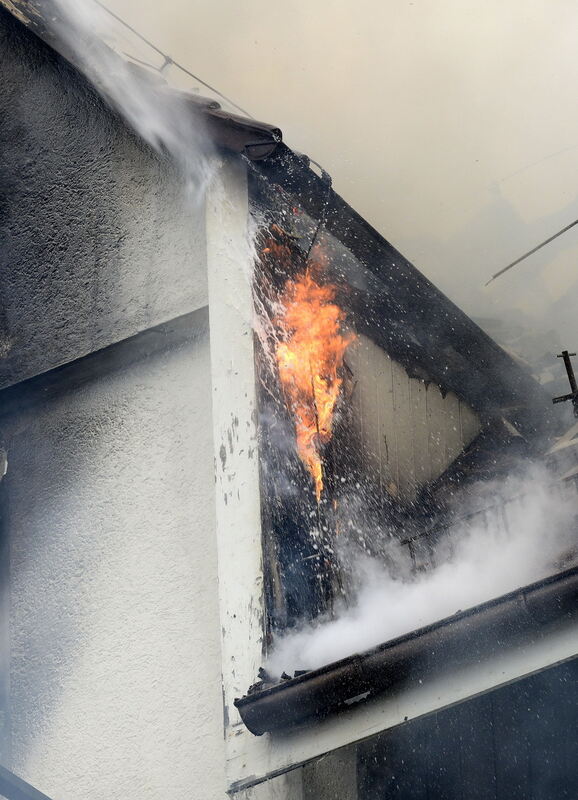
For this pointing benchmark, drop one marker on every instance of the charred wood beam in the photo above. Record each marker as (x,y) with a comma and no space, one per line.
(477,368)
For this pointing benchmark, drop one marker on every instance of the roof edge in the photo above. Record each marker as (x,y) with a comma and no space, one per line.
(238,134)
(489,378)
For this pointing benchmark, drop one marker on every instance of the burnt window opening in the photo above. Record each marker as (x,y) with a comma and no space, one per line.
(387,481)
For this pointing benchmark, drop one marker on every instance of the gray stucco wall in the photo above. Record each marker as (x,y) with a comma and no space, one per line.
(114,625)
(110,649)
(97,237)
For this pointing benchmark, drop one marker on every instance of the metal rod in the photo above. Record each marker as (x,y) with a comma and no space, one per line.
(533,250)
(569,369)
(573,396)
(563,398)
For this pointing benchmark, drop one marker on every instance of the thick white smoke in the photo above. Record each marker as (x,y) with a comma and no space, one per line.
(512,546)
(162,117)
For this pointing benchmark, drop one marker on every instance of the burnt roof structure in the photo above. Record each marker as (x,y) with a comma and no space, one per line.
(426,332)
(429,335)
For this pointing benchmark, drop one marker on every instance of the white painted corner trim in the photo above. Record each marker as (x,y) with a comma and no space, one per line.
(238,507)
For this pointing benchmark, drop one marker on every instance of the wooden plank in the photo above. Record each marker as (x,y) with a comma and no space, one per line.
(370,401)
(353,362)
(388,421)
(373,398)
(357,362)
(381,363)
(389,465)
(419,431)
(436,430)
(470,424)
(403,433)
(453,433)
(409,433)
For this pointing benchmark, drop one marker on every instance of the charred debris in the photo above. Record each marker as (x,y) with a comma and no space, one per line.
(307,538)
(384,298)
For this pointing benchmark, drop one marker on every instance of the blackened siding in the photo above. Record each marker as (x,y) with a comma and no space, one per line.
(518,743)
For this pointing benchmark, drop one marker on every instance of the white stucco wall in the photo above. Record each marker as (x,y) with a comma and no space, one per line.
(115,636)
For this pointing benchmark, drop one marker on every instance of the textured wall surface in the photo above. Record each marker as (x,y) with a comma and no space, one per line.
(115,663)
(98,239)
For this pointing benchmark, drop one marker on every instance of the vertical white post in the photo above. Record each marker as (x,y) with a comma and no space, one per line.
(230,266)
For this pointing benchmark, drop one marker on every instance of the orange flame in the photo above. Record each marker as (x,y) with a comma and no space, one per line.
(310,357)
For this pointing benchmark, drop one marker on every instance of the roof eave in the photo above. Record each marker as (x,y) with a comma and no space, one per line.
(241,135)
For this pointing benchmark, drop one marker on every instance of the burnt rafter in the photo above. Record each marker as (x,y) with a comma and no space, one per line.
(386,299)
(302,578)
(409,316)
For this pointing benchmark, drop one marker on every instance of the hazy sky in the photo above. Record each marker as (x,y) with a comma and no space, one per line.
(452,126)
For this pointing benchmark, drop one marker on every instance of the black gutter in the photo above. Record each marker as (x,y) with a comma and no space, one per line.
(255,140)
(462,638)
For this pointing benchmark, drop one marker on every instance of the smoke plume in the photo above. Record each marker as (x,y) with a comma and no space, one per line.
(528,538)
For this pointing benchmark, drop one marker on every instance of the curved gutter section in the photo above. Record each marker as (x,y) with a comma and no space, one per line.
(459,639)
(253,139)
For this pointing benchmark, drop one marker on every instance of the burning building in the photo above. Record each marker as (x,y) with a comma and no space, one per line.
(208,410)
